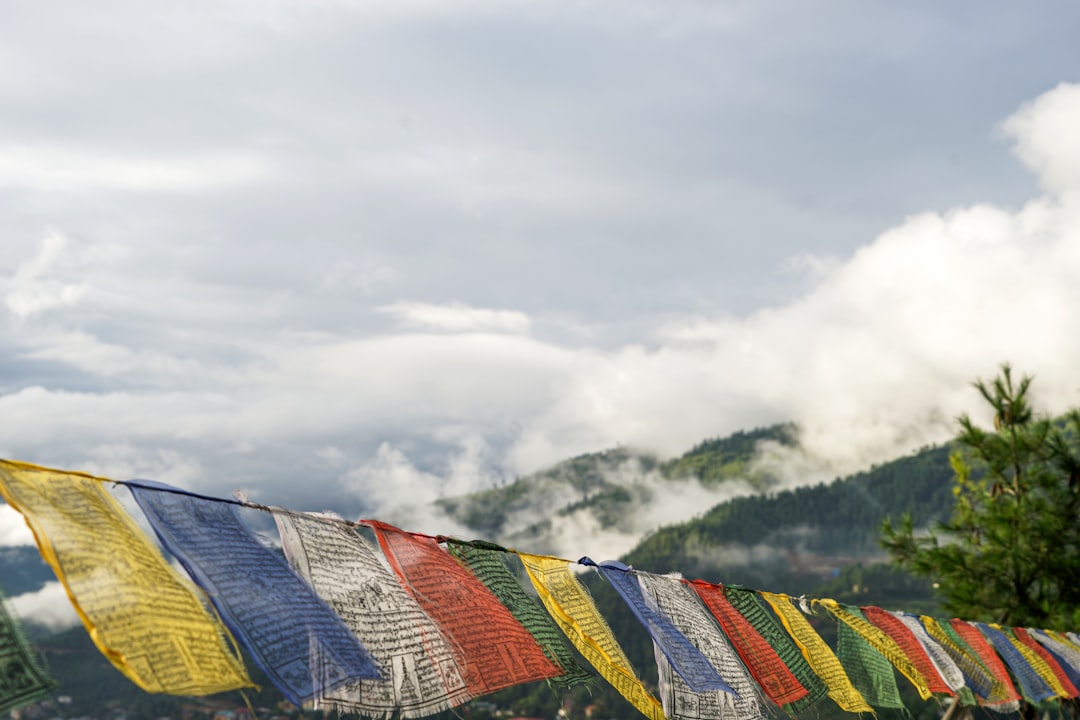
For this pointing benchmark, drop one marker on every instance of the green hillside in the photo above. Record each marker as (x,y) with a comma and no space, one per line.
(803,534)
(606,484)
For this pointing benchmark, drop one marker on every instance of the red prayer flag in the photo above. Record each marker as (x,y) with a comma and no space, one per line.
(764,664)
(986,654)
(898,631)
(497,651)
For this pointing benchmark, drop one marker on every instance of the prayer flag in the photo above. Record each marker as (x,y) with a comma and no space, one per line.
(22,680)
(297,640)
(489,566)
(818,654)
(670,596)
(979,645)
(1044,663)
(911,646)
(423,676)
(686,659)
(1032,685)
(950,671)
(576,615)
(1064,652)
(868,669)
(496,650)
(142,615)
(877,639)
(763,661)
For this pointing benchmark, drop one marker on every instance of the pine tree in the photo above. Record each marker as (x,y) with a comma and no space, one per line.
(1010,552)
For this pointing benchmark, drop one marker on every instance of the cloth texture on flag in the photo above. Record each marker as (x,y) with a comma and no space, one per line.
(22,681)
(293,636)
(988,689)
(668,595)
(495,649)
(868,669)
(489,567)
(1067,655)
(818,654)
(877,639)
(750,605)
(422,674)
(990,659)
(139,611)
(950,671)
(574,611)
(910,645)
(1032,685)
(684,658)
(1044,663)
(765,664)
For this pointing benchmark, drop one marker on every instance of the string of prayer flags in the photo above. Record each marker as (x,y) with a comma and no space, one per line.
(977,678)
(686,659)
(883,643)
(950,672)
(496,651)
(1038,661)
(422,674)
(293,636)
(22,681)
(818,654)
(868,669)
(487,562)
(979,645)
(767,667)
(1067,656)
(1058,678)
(139,611)
(750,605)
(909,645)
(670,596)
(574,611)
(1032,686)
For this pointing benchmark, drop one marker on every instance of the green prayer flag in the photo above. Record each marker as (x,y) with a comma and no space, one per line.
(22,681)
(869,670)
(768,626)
(487,564)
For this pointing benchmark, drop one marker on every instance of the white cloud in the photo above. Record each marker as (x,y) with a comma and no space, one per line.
(78,170)
(31,290)
(49,606)
(1046,137)
(457,317)
(13,528)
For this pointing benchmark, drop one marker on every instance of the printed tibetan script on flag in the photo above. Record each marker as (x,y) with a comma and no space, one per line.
(576,615)
(496,650)
(293,635)
(489,566)
(422,675)
(818,654)
(139,611)
(21,680)
(668,595)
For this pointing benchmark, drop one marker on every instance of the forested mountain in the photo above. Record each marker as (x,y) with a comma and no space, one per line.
(614,490)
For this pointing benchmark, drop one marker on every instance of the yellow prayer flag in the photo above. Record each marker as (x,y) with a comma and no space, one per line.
(140,612)
(576,615)
(883,644)
(819,655)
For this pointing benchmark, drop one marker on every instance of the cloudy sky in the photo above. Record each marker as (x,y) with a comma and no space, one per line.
(339,253)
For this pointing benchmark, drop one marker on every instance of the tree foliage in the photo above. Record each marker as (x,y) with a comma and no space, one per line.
(1010,552)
